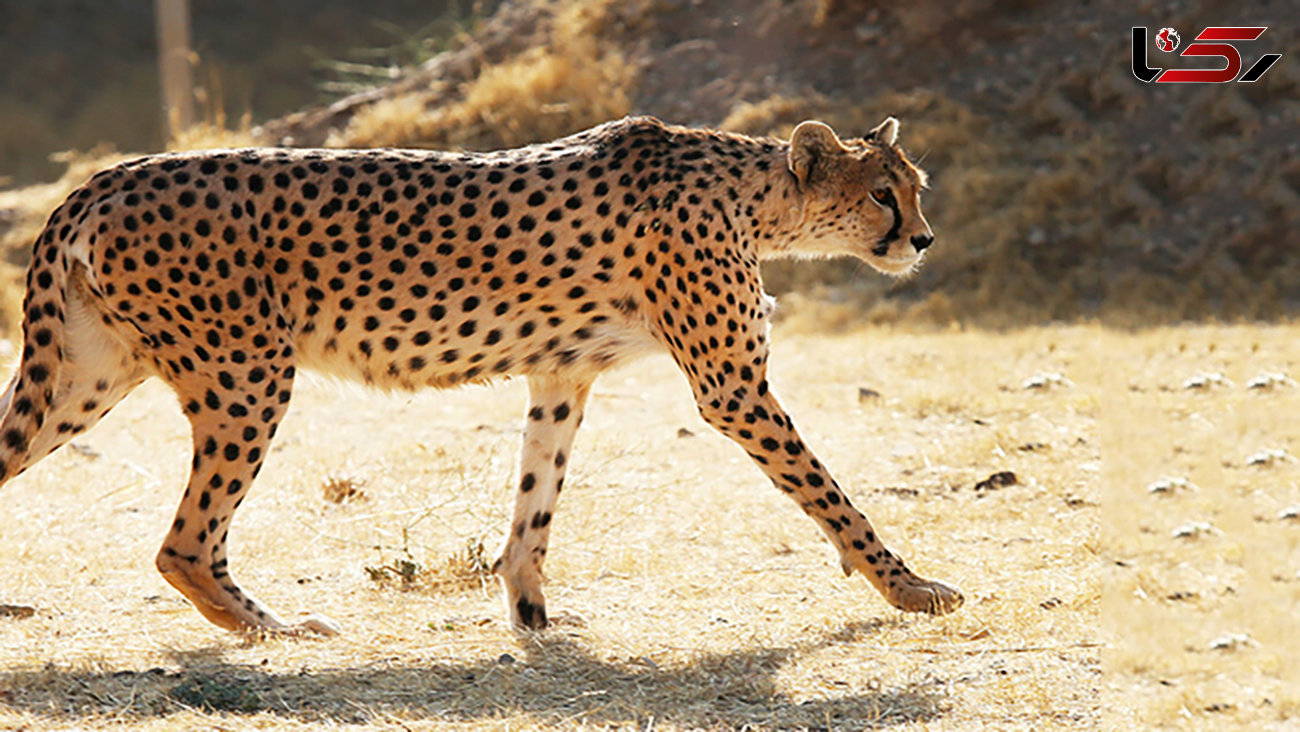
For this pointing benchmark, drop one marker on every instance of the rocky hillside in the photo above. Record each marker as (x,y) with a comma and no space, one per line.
(1062,186)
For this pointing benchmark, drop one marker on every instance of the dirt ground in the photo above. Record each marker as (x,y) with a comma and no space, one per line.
(1201,529)
(687,592)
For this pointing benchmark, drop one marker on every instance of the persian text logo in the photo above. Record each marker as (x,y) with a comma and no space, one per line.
(1204,44)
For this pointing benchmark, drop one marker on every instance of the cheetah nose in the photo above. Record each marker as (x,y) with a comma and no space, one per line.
(921,241)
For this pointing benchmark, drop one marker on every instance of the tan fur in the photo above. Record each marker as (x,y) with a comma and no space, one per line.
(222,272)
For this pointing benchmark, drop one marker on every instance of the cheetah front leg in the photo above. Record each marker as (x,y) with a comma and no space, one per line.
(737,401)
(554,413)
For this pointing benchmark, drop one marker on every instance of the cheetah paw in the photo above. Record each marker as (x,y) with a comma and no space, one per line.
(320,625)
(310,626)
(926,596)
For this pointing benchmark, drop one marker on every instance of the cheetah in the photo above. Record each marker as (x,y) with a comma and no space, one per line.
(223,272)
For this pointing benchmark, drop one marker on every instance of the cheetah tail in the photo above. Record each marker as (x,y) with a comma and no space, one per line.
(30,394)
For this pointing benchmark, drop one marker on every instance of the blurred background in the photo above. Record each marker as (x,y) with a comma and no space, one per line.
(1063,188)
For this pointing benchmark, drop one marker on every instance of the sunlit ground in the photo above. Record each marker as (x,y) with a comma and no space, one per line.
(687,591)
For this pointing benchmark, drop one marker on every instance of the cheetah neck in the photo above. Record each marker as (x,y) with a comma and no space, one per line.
(770,207)
(745,179)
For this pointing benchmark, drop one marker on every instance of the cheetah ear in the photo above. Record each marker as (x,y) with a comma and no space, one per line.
(886,132)
(810,144)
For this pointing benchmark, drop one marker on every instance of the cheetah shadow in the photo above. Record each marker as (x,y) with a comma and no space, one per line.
(558,680)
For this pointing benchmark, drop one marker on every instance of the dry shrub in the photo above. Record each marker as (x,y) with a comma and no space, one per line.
(340,489)
(392,122)
(468,569)
(462,571)
(541,94)
(544,94)
(772,115)
(214,135)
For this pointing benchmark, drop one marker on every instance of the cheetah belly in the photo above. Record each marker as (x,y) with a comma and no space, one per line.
(389,358)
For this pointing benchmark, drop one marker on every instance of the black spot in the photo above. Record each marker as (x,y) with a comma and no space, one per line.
(14,440)
(532,616)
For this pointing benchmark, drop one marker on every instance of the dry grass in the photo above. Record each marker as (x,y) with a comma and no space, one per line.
(1201,627)
(546,92)
(687,592)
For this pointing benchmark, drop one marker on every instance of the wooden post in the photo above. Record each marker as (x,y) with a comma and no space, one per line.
(174,65)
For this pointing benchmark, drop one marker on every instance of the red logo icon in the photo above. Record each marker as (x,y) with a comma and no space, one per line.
(1167,39)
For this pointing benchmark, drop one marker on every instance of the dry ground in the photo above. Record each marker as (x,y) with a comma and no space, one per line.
(688,592)
(1202,580)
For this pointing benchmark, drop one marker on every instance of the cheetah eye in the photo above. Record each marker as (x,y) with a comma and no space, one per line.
(882,196)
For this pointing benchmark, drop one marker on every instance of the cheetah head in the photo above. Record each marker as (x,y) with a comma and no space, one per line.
(858,197)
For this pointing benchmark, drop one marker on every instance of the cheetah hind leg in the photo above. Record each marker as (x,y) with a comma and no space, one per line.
(233,420)
(97,371)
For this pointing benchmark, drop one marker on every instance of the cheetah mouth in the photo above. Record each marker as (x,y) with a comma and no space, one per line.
(895,265)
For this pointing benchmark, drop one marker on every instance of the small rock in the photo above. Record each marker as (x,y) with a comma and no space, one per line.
(1290,513)
(998,480)
(85,451)
(1231,642)
(867,395)
(17,611)
(1205,380)
(505,659)
(1045,380)
(868,32)
(1051,603)
(1169,486)
(1194,530)
(683,432)
(1270,380)
(1268,456)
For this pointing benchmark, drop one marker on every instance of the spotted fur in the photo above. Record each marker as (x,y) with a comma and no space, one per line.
(223,272)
